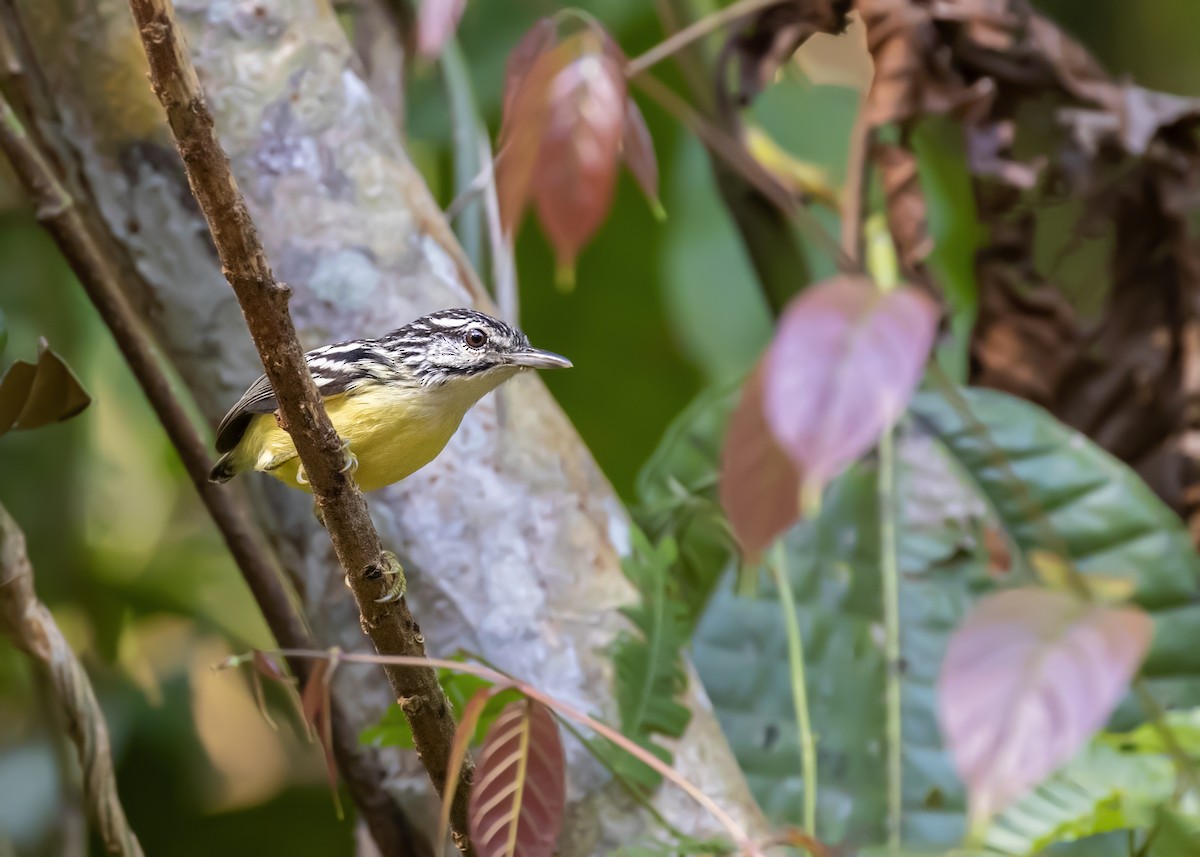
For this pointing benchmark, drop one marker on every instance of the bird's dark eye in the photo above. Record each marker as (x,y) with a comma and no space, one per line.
(475,338)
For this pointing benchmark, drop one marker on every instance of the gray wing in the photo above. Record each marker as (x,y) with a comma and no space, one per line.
(260,397)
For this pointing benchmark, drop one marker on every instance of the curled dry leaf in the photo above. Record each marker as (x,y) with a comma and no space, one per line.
(314,704)
(34,395)
(759,485)
(1030,676)
(844,362)
(436,22)
(519,794)
(637,148)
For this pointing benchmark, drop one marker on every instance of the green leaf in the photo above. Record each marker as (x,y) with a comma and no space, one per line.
(1100,791)
(649,665)
(740,653)
(35,395)
(949,191)
(1053,490)
(1175,835)
(3,332)
(393,730)
(677,493)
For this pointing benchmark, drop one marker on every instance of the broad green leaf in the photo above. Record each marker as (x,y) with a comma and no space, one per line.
(1029,677)
(34,395)
(1175,835)
(844,361)
(740,653)
(1053,490)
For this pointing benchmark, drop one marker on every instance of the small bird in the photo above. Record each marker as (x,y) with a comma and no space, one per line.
(394,401)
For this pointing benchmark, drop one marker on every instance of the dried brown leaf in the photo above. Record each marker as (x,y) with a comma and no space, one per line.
(35,395)
(759,485)
(1030,676)
(458,751)
(907,215)
(519,795)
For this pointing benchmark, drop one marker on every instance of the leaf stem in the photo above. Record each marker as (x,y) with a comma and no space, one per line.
(692,33)
(808,744)
(890,576)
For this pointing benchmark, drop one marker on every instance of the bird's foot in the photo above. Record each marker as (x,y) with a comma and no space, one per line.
(301,476)
(393,568)
(350,460)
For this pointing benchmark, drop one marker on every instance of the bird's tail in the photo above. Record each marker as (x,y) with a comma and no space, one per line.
(223,470)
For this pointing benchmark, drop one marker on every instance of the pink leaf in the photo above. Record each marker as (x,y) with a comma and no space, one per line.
(573,184)
(436,22)
(637,147)
(1030,676)
(539,39)
(759,486)
(520,790)
(521,139)
(844,362)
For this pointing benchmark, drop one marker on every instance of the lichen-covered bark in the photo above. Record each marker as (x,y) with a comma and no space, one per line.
(512,538)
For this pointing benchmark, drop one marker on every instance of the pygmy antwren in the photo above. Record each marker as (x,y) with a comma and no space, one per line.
(394,401)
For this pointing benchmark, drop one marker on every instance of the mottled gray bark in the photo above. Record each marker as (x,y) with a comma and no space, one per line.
(512,538)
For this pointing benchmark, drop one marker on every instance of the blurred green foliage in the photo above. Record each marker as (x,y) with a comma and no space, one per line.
(140,581)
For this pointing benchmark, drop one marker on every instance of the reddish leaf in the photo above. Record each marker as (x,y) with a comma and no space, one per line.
(637,147)
(520,790)
(1027,679)
(523,130)
(577,164)
(844,362)
(759,486)
(436,22)
(315,704)
(458,752)
(539,39)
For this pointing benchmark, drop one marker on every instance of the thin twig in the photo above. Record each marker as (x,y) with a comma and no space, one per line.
(99,275)
(890,578)
(808,744)
(26,621)
(858,185)
(695,31)
(264,302)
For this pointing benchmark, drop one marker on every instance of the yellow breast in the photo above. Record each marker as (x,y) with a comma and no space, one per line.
(392,430)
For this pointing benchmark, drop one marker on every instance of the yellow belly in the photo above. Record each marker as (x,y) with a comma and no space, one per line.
(392,431)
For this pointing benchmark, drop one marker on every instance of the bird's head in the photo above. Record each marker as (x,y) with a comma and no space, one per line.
(455,346)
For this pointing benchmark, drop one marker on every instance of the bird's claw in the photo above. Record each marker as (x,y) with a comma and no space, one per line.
(350,460)
(399,584)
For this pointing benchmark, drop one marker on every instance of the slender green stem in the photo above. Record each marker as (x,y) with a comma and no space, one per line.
(808,744)
(890,574)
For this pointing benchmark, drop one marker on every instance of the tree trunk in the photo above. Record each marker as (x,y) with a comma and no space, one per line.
(512,538)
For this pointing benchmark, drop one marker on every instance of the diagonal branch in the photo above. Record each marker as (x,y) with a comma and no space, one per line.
(99,275)
(264,302)
(27,622)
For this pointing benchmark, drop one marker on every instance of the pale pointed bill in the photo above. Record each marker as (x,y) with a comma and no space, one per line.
(535,358)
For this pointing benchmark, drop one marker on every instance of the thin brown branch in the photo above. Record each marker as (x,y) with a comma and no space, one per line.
(858,168)
(264,302)
(98,273)
(695,31)
(26,621)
